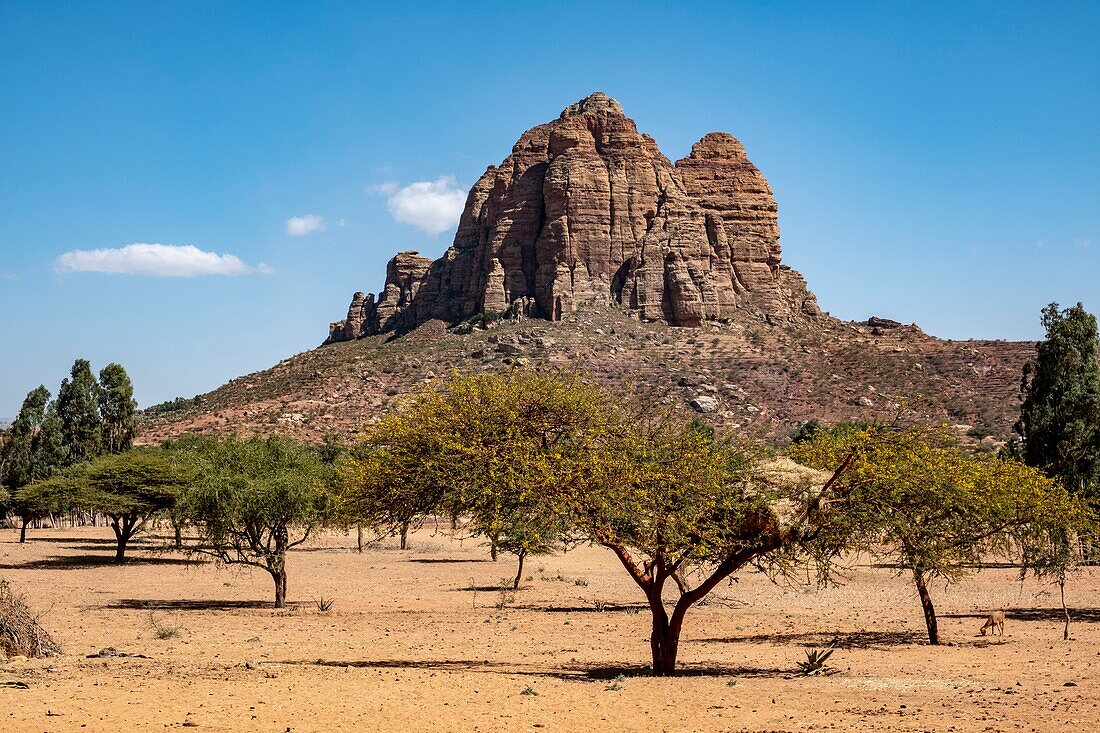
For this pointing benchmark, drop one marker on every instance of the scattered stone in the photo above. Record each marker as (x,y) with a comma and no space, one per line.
(110,652)
(704,403)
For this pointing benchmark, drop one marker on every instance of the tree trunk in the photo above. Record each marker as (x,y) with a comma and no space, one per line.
(279,576)
(117,524)
(405,536)
(929,609)
(23,529)
(359,544)
(125,526)
(519,572)
(277,566)
(179,535)
(664,640)
(493,547)
(1065,610)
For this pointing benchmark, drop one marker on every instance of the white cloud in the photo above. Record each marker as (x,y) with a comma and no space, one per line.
(299,226)
(389,188)
(158,260)
(431,206)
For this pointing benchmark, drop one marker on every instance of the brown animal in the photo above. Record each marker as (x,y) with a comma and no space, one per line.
(993,622)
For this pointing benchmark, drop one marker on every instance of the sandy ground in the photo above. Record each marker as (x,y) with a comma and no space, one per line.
(415,641)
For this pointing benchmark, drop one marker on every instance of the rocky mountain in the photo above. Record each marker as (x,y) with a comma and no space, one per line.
(587,249)
(587,210)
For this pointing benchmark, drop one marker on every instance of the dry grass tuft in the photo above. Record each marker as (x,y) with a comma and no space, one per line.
(20,632)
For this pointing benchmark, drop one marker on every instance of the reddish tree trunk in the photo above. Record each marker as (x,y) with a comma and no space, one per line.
(929,609)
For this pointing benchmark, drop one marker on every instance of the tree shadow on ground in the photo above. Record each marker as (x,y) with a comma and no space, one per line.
(146,604)
(581,673)
(439,560)
(605,608)
(1086,615)
(33,539)
(842,640)
(83,562)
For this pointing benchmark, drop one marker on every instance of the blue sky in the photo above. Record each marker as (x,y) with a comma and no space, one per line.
(933,162)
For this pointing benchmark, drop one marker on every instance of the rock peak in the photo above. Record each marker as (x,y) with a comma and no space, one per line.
(588,211)
(594,103)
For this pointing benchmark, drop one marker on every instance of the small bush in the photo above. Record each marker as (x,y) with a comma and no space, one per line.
(507,595)
(324,605)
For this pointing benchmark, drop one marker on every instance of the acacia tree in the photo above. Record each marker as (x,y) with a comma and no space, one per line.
(130,488)
(920,502)
(253,500)
(530,456)
(391,478)
(669,498)
(485,448)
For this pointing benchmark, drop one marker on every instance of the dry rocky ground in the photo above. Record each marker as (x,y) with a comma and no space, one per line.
(415,641)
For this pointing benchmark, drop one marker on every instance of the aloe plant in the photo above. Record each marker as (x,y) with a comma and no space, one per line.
(815,661)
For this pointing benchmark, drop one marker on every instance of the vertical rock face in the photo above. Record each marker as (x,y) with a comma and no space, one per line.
(587,209)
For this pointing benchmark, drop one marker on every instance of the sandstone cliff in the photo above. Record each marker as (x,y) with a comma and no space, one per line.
(587,210)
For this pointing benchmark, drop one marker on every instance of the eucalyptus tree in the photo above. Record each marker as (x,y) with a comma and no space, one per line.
(117,408)
(78,409)
(1060,413)
(32,451)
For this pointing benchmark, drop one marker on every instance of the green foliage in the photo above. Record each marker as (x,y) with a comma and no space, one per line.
(805,431)
(128,487)
(1060,415)
(252,500)
(32,450)
(980,431)
(179,404)
(914,498)
(78,407)
(117,408)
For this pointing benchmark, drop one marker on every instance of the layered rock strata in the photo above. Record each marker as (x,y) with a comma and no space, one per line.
(587,209)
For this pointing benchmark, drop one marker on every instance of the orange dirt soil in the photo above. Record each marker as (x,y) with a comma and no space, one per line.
(409,645)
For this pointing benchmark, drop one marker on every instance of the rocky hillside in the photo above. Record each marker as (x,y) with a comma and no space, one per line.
(763,377)
(587,249)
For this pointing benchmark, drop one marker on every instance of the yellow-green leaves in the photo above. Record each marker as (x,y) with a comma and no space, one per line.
(916,498)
